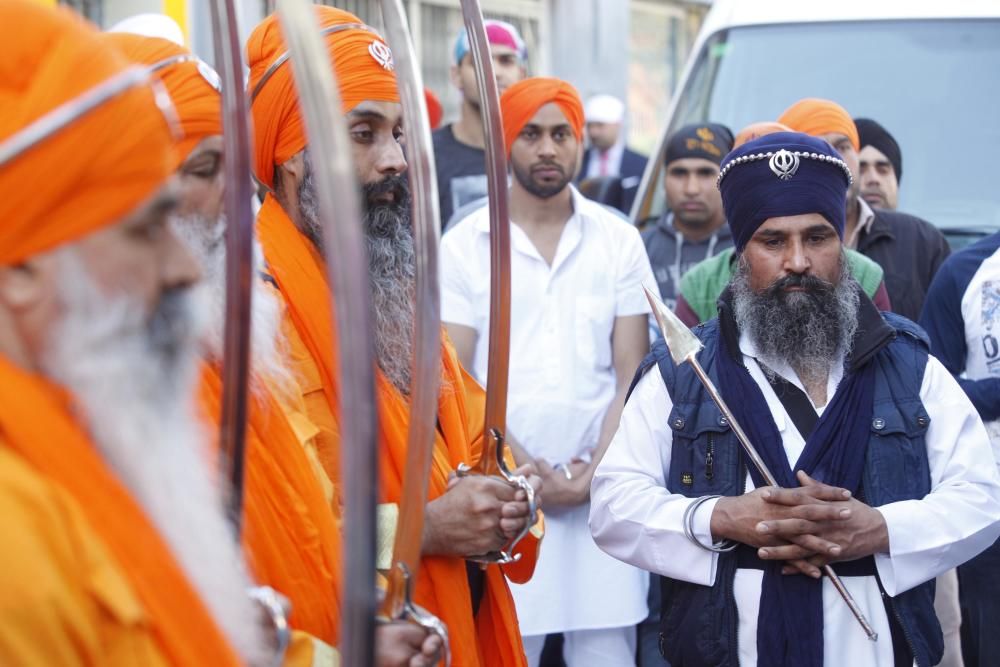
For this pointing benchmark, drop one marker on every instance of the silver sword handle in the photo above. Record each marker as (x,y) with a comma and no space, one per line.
(411,613)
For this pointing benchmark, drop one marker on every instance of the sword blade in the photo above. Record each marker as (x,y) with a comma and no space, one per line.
(347,266)
(496,173)
(676,333)
(426,368)
(239,252)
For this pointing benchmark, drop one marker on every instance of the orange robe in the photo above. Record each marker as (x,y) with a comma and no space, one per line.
(492,638)
(290,531)
(86,577)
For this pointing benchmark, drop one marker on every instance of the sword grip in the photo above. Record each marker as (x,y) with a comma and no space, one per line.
(398,606)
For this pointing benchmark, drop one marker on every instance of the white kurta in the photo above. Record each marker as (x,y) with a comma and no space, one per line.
(562,380)
(634,518)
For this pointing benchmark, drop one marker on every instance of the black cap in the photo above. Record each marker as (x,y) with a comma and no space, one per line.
(872,134)
(708,141)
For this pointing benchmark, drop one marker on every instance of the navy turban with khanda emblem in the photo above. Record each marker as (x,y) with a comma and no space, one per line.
(782,174)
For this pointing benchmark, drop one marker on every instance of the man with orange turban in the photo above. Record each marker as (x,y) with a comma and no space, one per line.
(578,333)
(908,249)
(115,549)
(291,531)
(465,516)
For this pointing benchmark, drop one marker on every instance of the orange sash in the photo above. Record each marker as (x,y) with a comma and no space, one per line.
(290,531)
(491,639)
(36,424)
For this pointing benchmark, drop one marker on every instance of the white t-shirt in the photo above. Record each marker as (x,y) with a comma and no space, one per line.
(562,380)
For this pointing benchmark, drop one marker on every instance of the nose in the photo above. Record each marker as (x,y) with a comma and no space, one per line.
(391,160)
(180,268)
(546,146)
(796,260)
(692,186)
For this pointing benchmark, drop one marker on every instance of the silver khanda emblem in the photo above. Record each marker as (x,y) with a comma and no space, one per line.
(784,164)
(382,55)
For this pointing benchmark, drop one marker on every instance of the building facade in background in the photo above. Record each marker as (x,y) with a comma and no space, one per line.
(633,49)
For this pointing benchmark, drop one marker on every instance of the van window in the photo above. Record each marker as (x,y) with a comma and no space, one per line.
(932,84)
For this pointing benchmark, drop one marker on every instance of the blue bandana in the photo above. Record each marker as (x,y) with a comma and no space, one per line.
(782,174)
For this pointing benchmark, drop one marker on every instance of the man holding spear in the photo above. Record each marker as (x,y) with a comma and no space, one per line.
(887,467)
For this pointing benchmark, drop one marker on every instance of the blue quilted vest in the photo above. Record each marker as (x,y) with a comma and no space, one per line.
(698,624)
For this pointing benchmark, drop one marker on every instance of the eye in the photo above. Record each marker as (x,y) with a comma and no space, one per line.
(399,135)
(529,133)
(203,167)
(362,133)
(560,135)
(150,232)
(772,243)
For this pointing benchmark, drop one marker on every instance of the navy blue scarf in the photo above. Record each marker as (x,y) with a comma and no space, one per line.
(790,621)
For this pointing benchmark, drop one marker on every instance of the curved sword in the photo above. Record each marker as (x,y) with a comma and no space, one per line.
(426,370)
(492,462)
(239,253)
(347,266)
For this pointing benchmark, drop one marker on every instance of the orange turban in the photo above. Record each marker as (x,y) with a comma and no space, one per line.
(521,102)
(815,116)
(91,172)
(758,130)
(192,85)
(361,60)
(435,112)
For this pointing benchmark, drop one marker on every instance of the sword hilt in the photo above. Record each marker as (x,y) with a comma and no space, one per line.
(398,607)
(493,464)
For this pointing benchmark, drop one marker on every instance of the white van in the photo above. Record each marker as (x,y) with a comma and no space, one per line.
(927,70)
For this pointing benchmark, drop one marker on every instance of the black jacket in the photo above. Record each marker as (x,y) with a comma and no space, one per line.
(909,250)
(633,166)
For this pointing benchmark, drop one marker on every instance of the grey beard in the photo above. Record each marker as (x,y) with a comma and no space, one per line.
(807,330)
(391,267)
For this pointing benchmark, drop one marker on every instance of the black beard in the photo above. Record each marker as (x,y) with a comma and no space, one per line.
(525,178)
(807,329)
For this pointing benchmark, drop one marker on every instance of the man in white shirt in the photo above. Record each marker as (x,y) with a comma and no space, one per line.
(884,459)
(578,331)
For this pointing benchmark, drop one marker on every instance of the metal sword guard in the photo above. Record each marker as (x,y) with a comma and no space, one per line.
(490,466)
(408,611)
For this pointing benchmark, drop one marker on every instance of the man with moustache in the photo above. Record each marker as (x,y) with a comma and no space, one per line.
(693,227)
(460,147)
(880,164)
(115,548)
(466,516)
(908,249)
(578,330)
(878,449)
(291,526)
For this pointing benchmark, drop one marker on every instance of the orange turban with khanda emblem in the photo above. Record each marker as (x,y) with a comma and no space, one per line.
(521,102)
(193,85)
(92,171)
(815,116)
(363,64)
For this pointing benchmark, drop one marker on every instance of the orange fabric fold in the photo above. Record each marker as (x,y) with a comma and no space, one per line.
(197,102)
(492,639)
(290,531)
(758,130)
(95,170)
(815,116)
(36,425)
(521,102)
(363,65)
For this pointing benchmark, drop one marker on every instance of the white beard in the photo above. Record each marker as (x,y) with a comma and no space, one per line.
(268,347)
(133,379)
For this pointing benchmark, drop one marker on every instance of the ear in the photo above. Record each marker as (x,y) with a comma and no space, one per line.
(456,79)
(22,285)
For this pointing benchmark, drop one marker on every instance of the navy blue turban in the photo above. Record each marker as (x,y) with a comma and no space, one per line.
(782,174)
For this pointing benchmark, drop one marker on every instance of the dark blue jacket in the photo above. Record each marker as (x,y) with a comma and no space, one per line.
(630,175)
(699,623)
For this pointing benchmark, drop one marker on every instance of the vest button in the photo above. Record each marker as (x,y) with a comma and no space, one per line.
(923,421)
(878,423)
(723,421)
(679,423)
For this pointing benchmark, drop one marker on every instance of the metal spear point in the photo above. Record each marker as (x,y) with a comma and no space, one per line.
(684,347)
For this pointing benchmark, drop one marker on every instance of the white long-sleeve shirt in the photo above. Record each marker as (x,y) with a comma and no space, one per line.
(635,518)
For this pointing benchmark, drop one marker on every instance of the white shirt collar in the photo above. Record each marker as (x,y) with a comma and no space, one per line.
(866,216)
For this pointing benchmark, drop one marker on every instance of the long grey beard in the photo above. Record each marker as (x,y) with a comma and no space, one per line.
(268,346)
(807,330)
(391,268)
(133,378)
